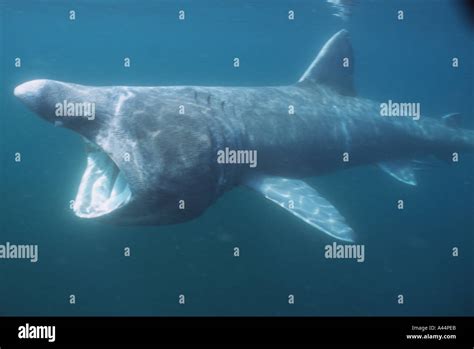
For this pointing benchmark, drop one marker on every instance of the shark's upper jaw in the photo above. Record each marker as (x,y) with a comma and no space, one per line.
(103,188)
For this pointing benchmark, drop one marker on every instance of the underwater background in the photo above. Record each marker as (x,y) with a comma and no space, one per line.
(407,252)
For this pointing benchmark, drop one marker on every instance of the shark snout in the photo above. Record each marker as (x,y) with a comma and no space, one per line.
(32,94)
(30,89)
(41,96)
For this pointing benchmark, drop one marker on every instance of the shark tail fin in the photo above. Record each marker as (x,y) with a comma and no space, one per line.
(333,66)
(464,133)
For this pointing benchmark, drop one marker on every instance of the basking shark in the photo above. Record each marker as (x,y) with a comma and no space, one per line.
(152,151)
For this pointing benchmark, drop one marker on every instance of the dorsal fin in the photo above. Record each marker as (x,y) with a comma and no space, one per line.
(453,120)
(333,66)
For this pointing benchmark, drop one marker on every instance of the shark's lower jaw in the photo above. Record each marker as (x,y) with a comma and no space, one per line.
(103,187)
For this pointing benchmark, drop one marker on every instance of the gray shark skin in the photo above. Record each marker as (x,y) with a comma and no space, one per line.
(145,158)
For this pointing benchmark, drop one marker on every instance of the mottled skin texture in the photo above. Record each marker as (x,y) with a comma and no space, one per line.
(174,157)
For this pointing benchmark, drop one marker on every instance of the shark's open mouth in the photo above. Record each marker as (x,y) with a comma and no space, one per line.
(103,187)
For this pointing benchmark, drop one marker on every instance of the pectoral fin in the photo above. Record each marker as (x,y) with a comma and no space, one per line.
(400,170)
(304,202)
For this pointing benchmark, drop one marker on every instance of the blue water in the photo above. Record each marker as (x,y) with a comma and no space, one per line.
(408,252)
